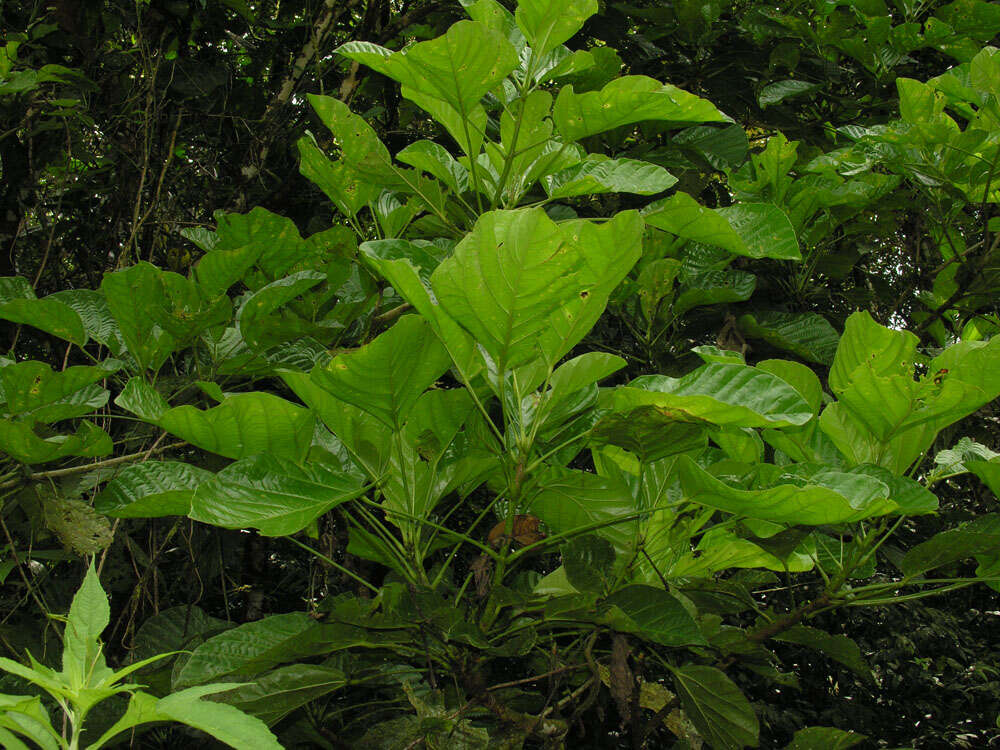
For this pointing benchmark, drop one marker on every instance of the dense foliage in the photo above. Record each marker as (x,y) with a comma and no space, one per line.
(500,376)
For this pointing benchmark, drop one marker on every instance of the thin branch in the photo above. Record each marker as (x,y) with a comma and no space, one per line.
(141,455)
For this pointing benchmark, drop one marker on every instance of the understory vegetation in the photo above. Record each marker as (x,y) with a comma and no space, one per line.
(492,374)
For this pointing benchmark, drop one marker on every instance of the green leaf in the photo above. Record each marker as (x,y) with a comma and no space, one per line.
(838,647)
(607,251)
(361,150)
(435,160)
(683,216)
(765,229)
(405,278)
(506,277)
(886,351)
(824,738)
(655,615)
(244,240)
(807,335)
(98,323)
(718,709)
(980,536)
(457,68)
(257,306)
(276,496)
(245,424)
(20,442)
(334,178)
(581,371)
(712,288)
(386,376)
(826,497)
(143,400)
(777,92)
(588,562)
(628,100)
(988,472)
(35,392)
(251,648)
(223,722)
(49,315)
(912,497)
(131,294)
(89,614)
(568,500)
(548,23)
(650,433)
(602,175)
(27,716)
(15,287)
(800,377)
(151,489)
(724,394)
(175,629)
(274,695)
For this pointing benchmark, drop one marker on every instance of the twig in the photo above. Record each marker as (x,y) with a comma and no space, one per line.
(143,455)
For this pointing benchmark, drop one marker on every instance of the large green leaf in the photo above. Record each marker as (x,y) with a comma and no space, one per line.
(361,149)
(628,100)
(89,614)
(457,68)
(506,277)
(980,536)
(406,279)
(757,230)
(20,441)
(603,175)
(824,738)
(223,722)
(245,424)
(886,351)
(434,159)
(711,287)
(800,377)
(365,437)
(276,496)
(348,193)
(608,251)
(988,472)
(588,563)
(242,241)
(49,315)
(269,298)
(650,433)
(151,489)
(568,500)
(718,709)
(34,391)
(27,716)
(548,23)
(838,647)
(386,376)
(579,372)
(93,310)
(826,497)
(683,216)
(807,335)
(274,695)
(251,648)
(655,615)
(724,394)
(765,230)
(132,293)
